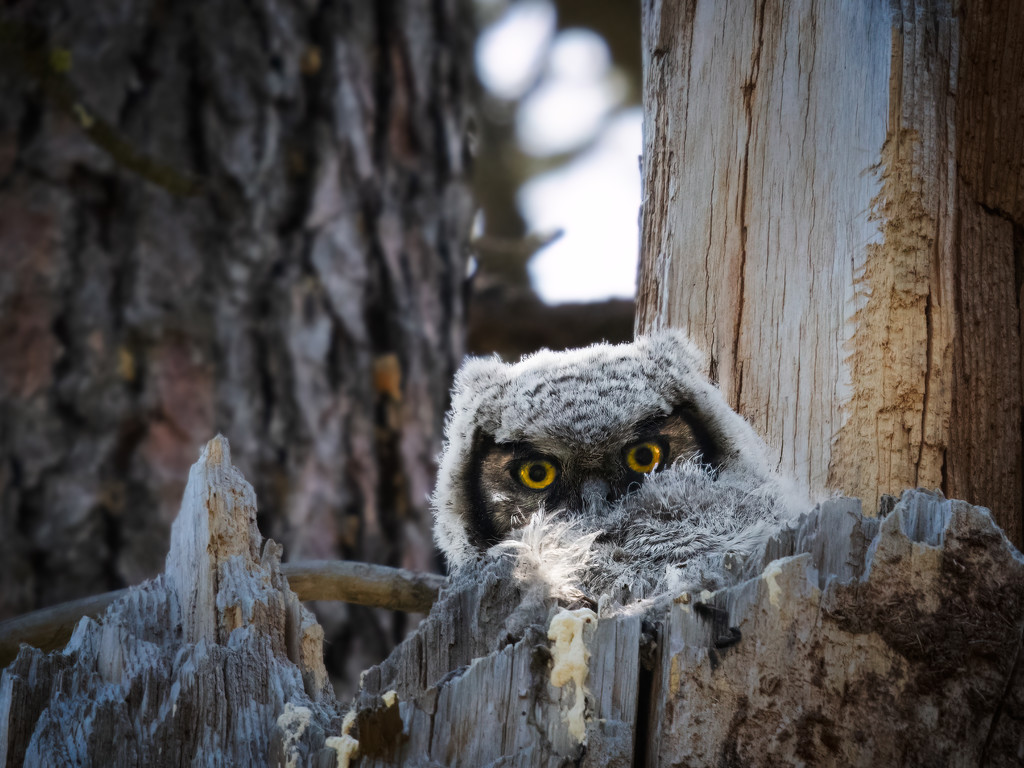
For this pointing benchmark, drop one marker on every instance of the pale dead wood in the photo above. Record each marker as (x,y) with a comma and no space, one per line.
(904,656)
(50,628)
(833,208)
(215,662)
(858,638)
(378,586)
(862,642)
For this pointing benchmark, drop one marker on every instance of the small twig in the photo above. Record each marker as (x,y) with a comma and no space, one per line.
(351,582)
(364,584)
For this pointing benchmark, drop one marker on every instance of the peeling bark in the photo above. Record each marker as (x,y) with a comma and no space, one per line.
(323,243)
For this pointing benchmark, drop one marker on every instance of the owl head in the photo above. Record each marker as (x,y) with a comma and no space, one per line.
(576,431)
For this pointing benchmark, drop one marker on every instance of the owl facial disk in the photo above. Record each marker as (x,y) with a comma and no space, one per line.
(511,480)
(617,414)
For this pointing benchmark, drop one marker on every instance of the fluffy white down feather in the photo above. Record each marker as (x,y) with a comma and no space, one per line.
(684,529)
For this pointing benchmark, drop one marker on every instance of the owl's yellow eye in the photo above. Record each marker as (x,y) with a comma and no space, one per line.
(537,474)
(644,457)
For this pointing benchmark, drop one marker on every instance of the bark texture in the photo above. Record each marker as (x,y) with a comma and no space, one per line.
(215,662)
(833,208)
(867,642)
(234,216)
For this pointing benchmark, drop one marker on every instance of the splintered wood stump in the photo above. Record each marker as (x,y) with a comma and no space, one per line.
(862,643)
(213,663)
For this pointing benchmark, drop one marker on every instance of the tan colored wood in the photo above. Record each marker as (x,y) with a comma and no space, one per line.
(832,207)
(364,584)
(987,378)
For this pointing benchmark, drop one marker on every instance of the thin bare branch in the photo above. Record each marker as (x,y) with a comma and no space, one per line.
(351,582)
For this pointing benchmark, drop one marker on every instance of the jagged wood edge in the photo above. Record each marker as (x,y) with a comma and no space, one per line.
(378,586)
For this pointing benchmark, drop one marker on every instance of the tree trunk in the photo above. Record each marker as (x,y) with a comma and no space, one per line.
(861,641)
(246,217)
(833,209)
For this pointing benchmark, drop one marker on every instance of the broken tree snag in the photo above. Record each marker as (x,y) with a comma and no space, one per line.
(500,674)
(862,641)
(379,586)
(833,210)
(215,660)
(869,643)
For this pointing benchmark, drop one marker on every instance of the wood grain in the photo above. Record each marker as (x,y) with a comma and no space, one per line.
(856,664)
(215,662)
(764,126)
(832,209)
(856,636)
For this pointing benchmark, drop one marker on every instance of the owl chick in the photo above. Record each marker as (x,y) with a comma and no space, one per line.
(588,434)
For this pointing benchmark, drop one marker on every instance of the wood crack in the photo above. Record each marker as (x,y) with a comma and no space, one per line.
(748,94)
(929,371)
(998,711)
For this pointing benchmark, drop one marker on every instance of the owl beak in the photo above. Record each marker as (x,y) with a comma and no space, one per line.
(595,492)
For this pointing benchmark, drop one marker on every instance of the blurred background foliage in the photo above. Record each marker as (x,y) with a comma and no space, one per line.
(556,174)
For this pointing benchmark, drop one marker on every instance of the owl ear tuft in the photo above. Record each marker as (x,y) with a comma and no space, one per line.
(673,344)
(480,373)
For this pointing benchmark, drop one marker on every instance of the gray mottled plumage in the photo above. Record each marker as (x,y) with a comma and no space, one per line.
(593,524)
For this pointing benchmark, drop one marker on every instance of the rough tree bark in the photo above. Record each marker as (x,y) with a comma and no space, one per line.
(863,641)
(833,208)
(237,216)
